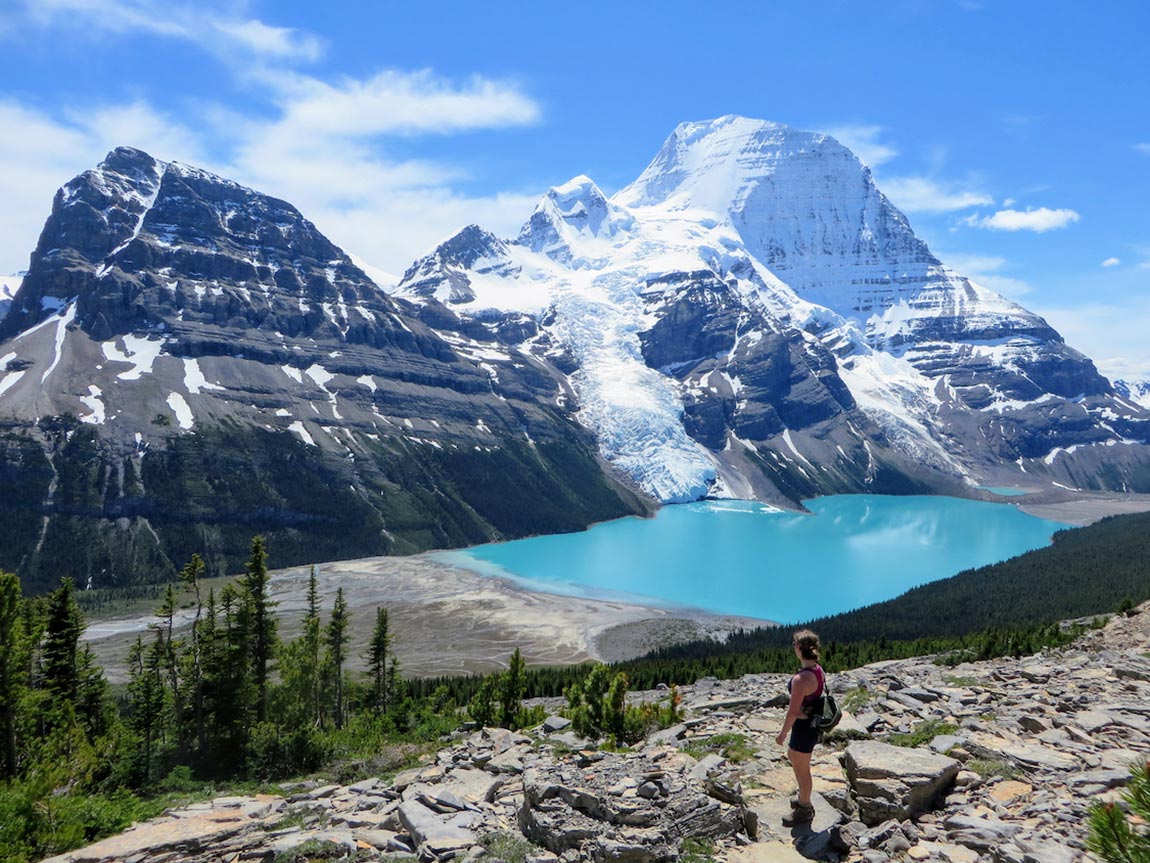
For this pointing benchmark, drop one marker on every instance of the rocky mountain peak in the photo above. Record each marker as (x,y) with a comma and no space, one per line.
(571,215)
(799,200)
(139,243)
(1135,391)
(443,276)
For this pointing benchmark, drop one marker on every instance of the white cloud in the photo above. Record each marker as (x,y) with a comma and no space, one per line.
(863,141)
(1111,262)
(985,269)
(924,195)
(1143,148)
(323,147)
(281,42)
(1112,335)
(211,25)
(391,103)
(41,153)
(1038,220)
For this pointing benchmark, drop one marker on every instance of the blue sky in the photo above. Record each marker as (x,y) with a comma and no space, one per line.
(1015,135)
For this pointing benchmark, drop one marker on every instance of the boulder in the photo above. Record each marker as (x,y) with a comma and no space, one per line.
(894,782)
(435,834)
(596,812)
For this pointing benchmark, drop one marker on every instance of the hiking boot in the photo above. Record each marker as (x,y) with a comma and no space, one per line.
(802,813)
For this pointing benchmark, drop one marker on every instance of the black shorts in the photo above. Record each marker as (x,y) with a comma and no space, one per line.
(804,736)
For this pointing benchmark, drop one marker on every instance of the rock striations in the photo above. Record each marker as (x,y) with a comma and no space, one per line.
(229,371)
(1014,753)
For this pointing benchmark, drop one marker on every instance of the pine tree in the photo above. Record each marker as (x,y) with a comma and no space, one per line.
(165,644)
(298,699)
(227,679)
(615,707)
(396,693)
(191,659)
(259,625)
(311,651)
(63,627)
(512,687)
(337,638)
(10,665)
(146,696)
(377,660)
(481,708)
(1120,838)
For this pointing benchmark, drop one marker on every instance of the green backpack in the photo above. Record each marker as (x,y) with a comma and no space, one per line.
(825,713)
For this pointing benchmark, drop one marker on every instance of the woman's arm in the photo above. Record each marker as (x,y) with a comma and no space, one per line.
(802,685)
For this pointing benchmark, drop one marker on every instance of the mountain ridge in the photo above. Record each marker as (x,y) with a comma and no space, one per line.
(616,349)
(750,219)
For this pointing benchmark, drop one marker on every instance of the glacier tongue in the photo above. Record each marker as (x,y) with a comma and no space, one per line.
(634,410)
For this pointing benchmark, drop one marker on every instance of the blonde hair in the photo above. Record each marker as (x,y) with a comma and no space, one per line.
(807,643)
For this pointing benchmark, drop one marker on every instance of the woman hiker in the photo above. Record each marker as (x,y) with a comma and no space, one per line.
(805,688)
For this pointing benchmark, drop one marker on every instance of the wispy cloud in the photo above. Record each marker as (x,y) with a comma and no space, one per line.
(212,25)
(926,195)
(987,271)
(1143,148)
(328,146)
(1111,262)
(396,103)
(1038,220)
(1113,335)
(863,140)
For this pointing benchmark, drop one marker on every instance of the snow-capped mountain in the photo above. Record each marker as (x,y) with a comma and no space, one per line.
(1135,391)
(9,285)
(752,311)
(188,362)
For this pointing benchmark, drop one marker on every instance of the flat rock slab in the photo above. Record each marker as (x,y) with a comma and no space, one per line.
(205,827)
(434,832)
(766,852)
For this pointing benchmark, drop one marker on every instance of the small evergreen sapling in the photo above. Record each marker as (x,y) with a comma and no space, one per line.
(1120,837)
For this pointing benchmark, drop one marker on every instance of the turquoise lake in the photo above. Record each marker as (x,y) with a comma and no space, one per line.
(740,557)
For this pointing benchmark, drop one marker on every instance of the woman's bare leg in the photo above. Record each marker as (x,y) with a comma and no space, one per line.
(801,764)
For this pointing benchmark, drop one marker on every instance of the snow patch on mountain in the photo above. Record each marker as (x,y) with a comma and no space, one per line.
(1135,391)
(139,352)
(9,285)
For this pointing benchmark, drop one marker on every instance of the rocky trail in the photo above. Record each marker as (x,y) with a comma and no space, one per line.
(1011,755)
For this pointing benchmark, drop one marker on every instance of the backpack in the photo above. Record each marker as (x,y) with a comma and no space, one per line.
(825,713)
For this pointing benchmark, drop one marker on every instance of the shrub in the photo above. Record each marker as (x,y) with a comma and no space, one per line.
(507,846)
(1119,835)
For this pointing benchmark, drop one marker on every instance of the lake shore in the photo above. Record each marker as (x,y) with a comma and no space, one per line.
(449,620)
(1080,508)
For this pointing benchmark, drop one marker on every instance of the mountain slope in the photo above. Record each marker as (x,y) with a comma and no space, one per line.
(188,362)
(753,317)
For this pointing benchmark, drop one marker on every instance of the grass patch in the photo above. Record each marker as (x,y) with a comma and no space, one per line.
(960,680)
(697,849)
(922,733)
(733,747)
(855,699)
(505,845)
(988,768)
(323,849)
